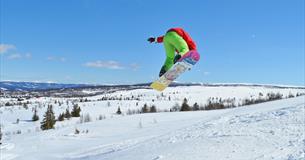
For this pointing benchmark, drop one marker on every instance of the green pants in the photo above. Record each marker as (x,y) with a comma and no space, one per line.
(173,42)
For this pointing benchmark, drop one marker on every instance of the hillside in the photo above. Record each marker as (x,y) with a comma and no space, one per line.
(270,130)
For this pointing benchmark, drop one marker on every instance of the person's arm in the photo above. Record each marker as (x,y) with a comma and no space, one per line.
(160,39)
(155,39)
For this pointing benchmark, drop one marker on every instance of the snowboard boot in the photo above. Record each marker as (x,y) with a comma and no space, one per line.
(177,57)
(162,71)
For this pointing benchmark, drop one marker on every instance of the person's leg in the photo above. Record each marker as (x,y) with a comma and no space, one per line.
(179,43)
(173,41)
(170,51)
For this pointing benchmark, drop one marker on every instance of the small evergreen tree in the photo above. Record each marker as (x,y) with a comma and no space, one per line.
(35,116)
(25,106)
(101,117)
(153,108)
(0,135)
(87,118)
(175,108)
(196,107)
(61,117)
(67,114)
(119,111)
(145,108)
(76,111)
(76,131)
(49,119)
(290,95)
(185,106)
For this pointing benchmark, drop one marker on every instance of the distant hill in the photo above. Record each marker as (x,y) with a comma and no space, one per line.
(31,86)
(38,86)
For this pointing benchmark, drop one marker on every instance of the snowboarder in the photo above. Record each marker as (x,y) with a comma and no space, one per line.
(175,39)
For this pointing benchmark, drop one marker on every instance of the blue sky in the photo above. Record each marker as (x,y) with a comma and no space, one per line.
(95,41)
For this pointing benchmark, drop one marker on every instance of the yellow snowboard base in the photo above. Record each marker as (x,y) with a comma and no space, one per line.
(166,79)
(158,86)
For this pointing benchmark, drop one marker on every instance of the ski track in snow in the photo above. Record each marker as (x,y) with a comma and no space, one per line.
(7,147)
(105,149)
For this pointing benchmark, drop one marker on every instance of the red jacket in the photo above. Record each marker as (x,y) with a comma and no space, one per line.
(191,44)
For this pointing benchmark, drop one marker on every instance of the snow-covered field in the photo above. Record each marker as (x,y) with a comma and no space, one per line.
(271,130)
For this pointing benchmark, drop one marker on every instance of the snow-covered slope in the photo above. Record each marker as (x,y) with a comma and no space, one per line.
(272,130)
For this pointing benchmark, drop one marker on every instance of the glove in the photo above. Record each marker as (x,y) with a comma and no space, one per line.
(151,39)
(162,71)
(177,57)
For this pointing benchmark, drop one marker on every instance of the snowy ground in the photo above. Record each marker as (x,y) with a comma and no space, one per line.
(272,130)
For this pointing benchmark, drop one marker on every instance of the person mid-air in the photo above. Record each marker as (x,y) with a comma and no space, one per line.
(175,39)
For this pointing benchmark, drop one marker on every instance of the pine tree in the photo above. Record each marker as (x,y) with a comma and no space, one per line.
(119,111)
(175,108)
(67,114)
(35,116)
(87,118)
(76,131)
(49,119)
(8,104)
(76,111)
(0,135)
(196,107)
(153,108)
(25,106)
(185,106)
(101,117)
(61,117)
(145,108)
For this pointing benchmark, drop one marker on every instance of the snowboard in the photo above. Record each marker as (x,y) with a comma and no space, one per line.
(186,62)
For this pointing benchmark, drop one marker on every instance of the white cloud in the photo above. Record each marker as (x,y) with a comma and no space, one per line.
(50,58)
(28,55)
(104,64)
(6,47)
(134,66)
(68,77)
(59,59)
(14,56)
(206,73)
(62,59)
